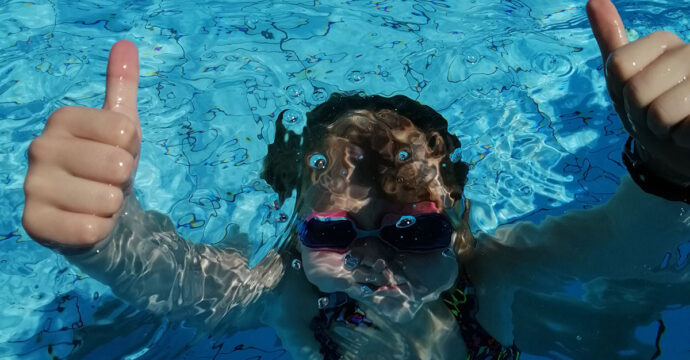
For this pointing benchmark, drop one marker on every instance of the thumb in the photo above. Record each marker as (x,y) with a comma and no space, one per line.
(122,79)
(607,26)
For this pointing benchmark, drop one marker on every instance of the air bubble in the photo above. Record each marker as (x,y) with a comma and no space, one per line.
(291,116)
(322,302)
(294,91)
(251,21)
(319,95)
(296,264)
(355,76)
(350,261)
(403,155)
(318,161)
(405,221)
(366,291)
(456,155)
(552,65)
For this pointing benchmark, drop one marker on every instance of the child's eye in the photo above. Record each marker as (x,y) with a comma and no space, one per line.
(403,155)
(318,161)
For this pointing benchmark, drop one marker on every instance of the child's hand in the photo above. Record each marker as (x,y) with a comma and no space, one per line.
(84,160)
(647,81)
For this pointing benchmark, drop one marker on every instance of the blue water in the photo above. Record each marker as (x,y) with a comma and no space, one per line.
(519,81)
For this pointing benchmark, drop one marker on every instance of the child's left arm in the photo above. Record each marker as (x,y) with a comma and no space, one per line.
(588,279)
(647,81)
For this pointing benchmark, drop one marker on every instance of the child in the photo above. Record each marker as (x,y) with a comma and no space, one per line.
(370,274)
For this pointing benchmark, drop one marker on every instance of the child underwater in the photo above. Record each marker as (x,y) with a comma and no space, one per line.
(383,264)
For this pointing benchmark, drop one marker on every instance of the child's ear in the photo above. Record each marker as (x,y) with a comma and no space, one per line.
(282,168)
(436,145)
(464,241)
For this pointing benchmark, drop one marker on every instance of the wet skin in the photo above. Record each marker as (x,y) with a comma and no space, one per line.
(356,181)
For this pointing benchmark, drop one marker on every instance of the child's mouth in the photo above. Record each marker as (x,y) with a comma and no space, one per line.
(389,289)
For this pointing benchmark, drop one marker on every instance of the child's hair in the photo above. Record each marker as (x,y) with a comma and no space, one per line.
(284,162)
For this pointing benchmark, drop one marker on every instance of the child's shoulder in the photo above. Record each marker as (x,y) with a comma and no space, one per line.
(289,309)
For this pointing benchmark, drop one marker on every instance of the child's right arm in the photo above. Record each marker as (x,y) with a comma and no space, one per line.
(79,201)
(148,264)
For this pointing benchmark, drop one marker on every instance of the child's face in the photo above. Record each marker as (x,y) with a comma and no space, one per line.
(375,171)
(398,283)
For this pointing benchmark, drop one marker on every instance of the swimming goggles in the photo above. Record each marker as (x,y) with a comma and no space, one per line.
(414,233)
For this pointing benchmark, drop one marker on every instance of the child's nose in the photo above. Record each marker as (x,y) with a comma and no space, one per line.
(375,255)
(373,272)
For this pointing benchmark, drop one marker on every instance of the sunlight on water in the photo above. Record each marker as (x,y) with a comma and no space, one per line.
(519,81)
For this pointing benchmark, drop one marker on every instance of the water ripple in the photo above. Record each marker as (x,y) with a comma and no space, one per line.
(519,81)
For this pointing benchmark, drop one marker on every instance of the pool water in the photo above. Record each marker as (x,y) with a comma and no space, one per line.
(520,82)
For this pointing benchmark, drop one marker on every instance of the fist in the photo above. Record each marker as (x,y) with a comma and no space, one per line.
(648,84)
(81,165)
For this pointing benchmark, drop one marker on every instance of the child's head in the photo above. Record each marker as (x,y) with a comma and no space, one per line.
(371,162)
(384,127)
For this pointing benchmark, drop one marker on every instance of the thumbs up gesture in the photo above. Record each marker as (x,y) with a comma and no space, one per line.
(649,86)
(82,164)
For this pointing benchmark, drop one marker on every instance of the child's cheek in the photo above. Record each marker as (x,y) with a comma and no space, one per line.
(325,270)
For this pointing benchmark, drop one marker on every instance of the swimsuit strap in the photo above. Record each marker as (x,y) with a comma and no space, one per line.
(338,307)
(322,322)
(462,302)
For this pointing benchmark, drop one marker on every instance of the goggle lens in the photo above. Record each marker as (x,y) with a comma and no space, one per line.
(429,232)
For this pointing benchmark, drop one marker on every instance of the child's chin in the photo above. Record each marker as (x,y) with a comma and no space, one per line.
(395,309)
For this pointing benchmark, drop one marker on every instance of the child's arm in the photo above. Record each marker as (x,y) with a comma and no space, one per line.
(629,235)
(79,201)
(146,263)
(588,279)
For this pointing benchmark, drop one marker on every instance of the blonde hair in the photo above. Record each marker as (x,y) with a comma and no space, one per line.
(387,123)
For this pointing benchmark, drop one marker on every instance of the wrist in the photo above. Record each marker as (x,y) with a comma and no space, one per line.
(653,175)
(658,166)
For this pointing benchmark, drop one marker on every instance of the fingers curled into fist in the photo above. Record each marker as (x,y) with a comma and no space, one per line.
(82,165)
(648,83)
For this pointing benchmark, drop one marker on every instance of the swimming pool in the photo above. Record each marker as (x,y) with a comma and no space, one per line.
(519,81)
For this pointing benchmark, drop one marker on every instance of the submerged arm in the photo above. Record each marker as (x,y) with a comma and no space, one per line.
(583,284)
(607,271)
(148,264)
(633,235)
